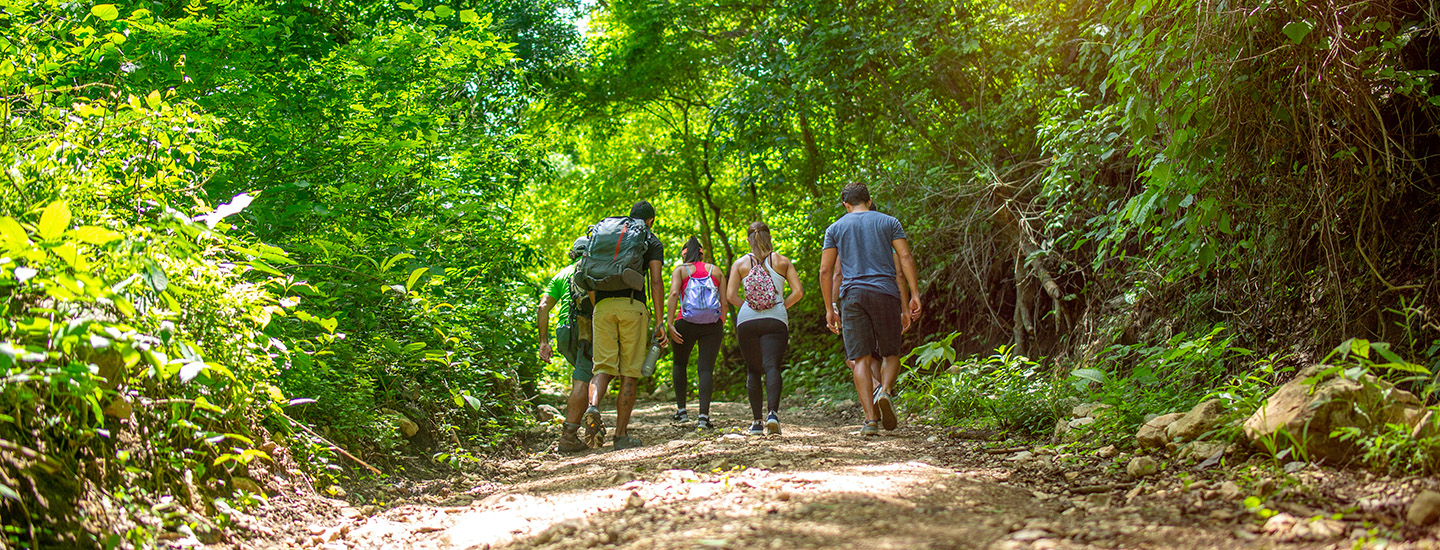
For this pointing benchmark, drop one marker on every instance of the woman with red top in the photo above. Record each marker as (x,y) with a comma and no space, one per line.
(696,315)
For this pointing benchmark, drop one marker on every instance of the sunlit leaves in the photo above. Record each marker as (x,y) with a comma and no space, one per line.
(53,221)
(106,12)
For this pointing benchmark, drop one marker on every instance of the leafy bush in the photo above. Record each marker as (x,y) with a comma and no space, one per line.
(1148,379)
(1003,390)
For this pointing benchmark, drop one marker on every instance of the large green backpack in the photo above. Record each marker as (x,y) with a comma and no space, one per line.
(615,259)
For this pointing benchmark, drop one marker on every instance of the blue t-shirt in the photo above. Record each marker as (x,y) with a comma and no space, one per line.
(863,241)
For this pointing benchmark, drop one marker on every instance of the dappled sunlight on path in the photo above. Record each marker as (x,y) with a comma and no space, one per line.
(819,485)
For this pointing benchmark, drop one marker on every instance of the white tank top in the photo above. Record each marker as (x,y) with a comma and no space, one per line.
(748,314)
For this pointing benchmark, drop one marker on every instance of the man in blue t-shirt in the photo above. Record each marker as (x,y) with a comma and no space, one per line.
(867,308)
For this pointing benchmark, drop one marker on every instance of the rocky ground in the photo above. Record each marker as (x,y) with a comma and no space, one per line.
(820,485)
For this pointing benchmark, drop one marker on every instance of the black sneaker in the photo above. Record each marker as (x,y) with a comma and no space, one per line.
(704,423)
(772,424)
(570,442)
(627,441)
(594,428)
(887,409)
(680,416)
(757,428)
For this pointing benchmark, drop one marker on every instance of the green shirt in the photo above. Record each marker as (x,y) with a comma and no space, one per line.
(559,290)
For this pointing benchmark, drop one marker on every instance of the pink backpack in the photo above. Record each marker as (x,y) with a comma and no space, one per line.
(760,291)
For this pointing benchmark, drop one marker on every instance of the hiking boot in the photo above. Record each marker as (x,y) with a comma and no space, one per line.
(871,427)
(704,423)
(887,409)
(680,417)
(594,428)
(757,428)
(570,442)
(627,441)
(772,424)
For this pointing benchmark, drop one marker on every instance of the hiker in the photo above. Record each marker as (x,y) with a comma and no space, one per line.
(869,298)
(623,255)
(695,288)
(904,315)
(573,340)
(762,325)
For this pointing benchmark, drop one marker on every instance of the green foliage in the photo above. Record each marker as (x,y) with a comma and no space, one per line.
(1387,446)
(1144,380)
(1005,390)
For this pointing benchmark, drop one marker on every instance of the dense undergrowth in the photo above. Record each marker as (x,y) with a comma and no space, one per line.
(241,236)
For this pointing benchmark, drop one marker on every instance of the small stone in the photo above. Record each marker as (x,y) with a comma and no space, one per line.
(247,485)
(1152,434)
(1142,466)
(1279,524)
(719,464)
(621,478)
(315,530)
(1070,476)
(844,405)
(1087,409)
(1100,500)
(635,501)
(349,512)
(1027,535)
(1424,510)
(767,463)
(1108,451)
(408,427)
(1021,456)
(783,495)
(1231,491)
(544,413)
(1326,529)
(119,407)
(1294,466)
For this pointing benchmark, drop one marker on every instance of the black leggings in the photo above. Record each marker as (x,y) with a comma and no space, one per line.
(763,343)
(708,336)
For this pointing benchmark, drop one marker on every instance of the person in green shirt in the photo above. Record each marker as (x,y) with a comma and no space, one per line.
(573,340)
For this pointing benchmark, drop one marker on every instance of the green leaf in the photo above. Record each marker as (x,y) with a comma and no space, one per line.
(12,234)
(473,402)
(94,235)
(415,276)
(1361,347)
(1207,254)
(469,16)
(1094,375)
(328,324)
(53,221)
(7,492)
(444,11)
(1298,30)
(105,12)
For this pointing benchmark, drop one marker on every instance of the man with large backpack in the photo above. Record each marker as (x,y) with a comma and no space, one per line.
(574,342)
(868,308)
(621,258)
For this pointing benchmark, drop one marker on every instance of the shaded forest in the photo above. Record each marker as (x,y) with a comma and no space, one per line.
(241,236)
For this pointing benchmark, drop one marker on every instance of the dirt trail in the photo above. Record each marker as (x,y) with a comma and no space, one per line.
(817,485)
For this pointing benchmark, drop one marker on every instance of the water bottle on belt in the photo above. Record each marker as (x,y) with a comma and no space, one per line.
(651,358)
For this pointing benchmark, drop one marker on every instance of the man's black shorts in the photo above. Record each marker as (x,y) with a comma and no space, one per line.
(870,322)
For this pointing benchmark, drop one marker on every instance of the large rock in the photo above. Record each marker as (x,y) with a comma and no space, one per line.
(1201,418)
(1152,434)
(1310,413)
(1424,510)
(544,413)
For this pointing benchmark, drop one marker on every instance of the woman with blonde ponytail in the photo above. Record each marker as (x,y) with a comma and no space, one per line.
(762,325)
